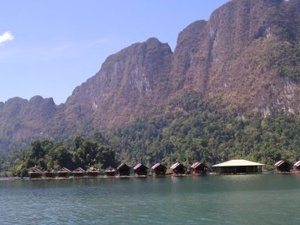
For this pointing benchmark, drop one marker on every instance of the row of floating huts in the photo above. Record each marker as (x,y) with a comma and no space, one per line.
(236,166)
(123,170)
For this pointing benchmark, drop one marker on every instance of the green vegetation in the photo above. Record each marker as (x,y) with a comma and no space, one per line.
(285,54)
(193,129)
(285,57)
(189,128)
(82,152)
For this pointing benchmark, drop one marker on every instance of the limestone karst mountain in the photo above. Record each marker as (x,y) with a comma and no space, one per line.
(247,54)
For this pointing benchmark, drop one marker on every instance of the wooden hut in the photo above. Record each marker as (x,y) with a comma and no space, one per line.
(158,170)
(123,170)
(140,170)
(110,171)
(63,173)
(79,172)
(92,172)
(35,173)
(198,169)
(178,169)
(49,174)
(238,166)
(283,166)
(296,167)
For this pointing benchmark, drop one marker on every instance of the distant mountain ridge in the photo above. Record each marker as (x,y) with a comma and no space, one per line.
(247,54)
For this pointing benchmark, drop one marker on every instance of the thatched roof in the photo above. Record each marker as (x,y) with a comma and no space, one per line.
(64,170)
(93,170)
(49,171)
(78,170)
(110,169)
(35,170)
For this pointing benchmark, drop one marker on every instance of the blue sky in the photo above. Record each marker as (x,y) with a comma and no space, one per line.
(48,47)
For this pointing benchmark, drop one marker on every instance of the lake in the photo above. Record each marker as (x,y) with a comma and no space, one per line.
(230,199)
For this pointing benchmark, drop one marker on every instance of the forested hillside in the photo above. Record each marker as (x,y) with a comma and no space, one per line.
(192,128)
(187,129)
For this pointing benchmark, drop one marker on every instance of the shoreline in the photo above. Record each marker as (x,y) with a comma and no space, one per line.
(135,177)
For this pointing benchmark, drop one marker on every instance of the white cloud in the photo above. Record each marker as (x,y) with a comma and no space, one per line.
(7,36)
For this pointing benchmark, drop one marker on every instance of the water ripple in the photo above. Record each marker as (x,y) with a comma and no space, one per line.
(233,200)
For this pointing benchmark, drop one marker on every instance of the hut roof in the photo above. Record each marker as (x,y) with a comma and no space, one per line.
(139,165)
(157,165)
(122,165)
(64,170)
(79,170)
(35,170)
(175,165)
(297,164)
(92,169)
(110,169)
(237,162)
(279,163)
(196,164)
(49,171)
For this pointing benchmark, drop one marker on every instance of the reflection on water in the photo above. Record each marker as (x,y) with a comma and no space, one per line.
(237,199)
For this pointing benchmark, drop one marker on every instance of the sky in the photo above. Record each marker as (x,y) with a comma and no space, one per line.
(49,47)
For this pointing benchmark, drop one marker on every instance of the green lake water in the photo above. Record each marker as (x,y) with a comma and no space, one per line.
(235,200)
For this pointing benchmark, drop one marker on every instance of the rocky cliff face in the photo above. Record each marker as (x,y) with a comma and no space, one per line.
(229,55)
(23,120)
(246,54)
(129,83)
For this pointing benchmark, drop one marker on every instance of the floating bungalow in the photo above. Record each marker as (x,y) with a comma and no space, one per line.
(63,173)
(140,170)
(158,170)
(238,166)
(49,174)
(296,167)
(123,170)
(110,171)
(35,173)
(283,166)
(178,169)
(92,172)
(198,169)
(79,172)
